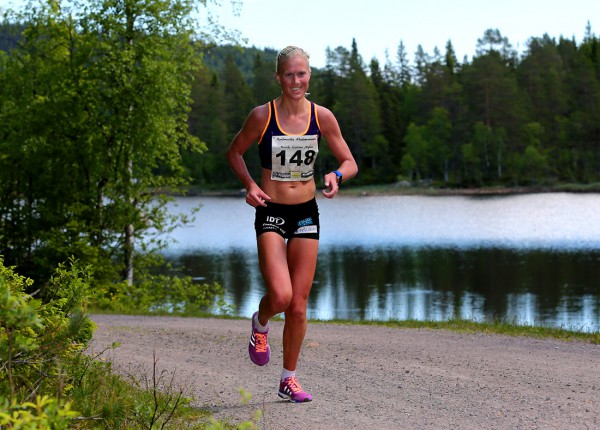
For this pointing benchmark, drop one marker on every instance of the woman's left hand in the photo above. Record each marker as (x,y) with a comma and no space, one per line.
(331,185)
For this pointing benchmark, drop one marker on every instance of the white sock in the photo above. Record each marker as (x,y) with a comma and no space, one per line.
(259,326)
(287,373)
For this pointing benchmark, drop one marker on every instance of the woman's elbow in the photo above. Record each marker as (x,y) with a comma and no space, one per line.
(353,167)
(231,155)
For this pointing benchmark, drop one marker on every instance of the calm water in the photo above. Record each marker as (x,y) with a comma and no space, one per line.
(531,259)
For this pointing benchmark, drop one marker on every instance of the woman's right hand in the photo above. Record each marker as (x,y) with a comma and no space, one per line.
(256,197)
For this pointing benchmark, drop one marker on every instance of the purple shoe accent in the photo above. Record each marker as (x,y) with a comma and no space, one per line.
(290,389)
(258,348)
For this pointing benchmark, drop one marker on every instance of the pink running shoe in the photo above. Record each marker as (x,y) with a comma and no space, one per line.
(290,389)
(258,348)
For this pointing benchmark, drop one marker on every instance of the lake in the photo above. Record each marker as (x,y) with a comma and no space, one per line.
(531,259)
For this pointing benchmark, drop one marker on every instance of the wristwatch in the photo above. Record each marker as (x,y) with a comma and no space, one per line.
(339,177)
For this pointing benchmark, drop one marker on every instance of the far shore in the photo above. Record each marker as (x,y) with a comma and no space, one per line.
(408,189)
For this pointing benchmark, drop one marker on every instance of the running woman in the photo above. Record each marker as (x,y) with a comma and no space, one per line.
(288,131)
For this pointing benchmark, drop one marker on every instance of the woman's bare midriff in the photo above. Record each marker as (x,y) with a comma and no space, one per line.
(287,192)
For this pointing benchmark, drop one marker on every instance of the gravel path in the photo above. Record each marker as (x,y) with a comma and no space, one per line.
(364,377)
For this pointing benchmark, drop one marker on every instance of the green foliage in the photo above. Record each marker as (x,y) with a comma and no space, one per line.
(140,400)
(110,399)
(438,132)
(356,108)
(532,165)
(43,413)
(407,166)
(38,342)
(47,373)
(416,147)
(93,122)
(37,338)
(161,294)
(471,164)
(9,34)
(245,59)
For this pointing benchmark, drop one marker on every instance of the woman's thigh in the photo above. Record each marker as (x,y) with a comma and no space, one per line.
(302,263)
(272,258)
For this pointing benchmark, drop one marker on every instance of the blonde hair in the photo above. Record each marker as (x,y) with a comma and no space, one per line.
(289,52)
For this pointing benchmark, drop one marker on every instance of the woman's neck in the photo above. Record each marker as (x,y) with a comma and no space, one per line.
(292,108)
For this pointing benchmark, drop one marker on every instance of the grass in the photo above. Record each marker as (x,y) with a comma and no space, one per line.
(498,326)
(107,399)
(135,401)
(494,327)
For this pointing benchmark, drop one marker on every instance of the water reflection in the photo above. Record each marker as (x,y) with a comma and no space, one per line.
(529,259)
(534,287)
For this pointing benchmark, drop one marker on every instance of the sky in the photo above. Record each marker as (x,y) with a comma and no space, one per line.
(380,25)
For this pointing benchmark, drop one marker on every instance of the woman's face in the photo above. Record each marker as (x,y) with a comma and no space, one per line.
(294,77)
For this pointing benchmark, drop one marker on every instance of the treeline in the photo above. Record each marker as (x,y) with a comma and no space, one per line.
(502,118)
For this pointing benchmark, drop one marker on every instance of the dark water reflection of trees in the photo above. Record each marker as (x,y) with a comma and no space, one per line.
(525,286)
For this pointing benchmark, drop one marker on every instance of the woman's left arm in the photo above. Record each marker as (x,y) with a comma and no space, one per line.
(330,130)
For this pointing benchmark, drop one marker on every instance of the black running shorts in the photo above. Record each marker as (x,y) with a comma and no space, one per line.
(301,220)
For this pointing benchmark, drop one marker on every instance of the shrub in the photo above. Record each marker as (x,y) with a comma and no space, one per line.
(46,371)
(44,413)
(37,342)
(161,294)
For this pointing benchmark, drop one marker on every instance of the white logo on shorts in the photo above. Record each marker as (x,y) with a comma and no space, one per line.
(307,229)
(275,220)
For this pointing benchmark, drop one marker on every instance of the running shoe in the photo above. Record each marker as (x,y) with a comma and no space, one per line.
(290,389)
(258,348)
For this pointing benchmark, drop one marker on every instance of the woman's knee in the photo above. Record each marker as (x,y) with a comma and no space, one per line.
(296,310)
(279,301)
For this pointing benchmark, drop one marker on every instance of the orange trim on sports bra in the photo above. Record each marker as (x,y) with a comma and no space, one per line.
(317,116)
(266,125)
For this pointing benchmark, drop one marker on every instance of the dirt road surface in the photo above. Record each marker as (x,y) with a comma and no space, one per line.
(364,377)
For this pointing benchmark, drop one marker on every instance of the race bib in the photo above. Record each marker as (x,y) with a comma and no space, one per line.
(293,157)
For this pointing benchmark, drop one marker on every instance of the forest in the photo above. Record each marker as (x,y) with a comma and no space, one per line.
(500,119)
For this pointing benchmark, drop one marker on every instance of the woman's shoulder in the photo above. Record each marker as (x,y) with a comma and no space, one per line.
(322,110)
(260,114)
(261,110)
(324,115)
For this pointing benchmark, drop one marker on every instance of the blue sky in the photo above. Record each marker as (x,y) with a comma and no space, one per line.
(378,25)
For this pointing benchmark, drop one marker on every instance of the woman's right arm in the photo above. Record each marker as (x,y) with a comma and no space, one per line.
(250,133)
